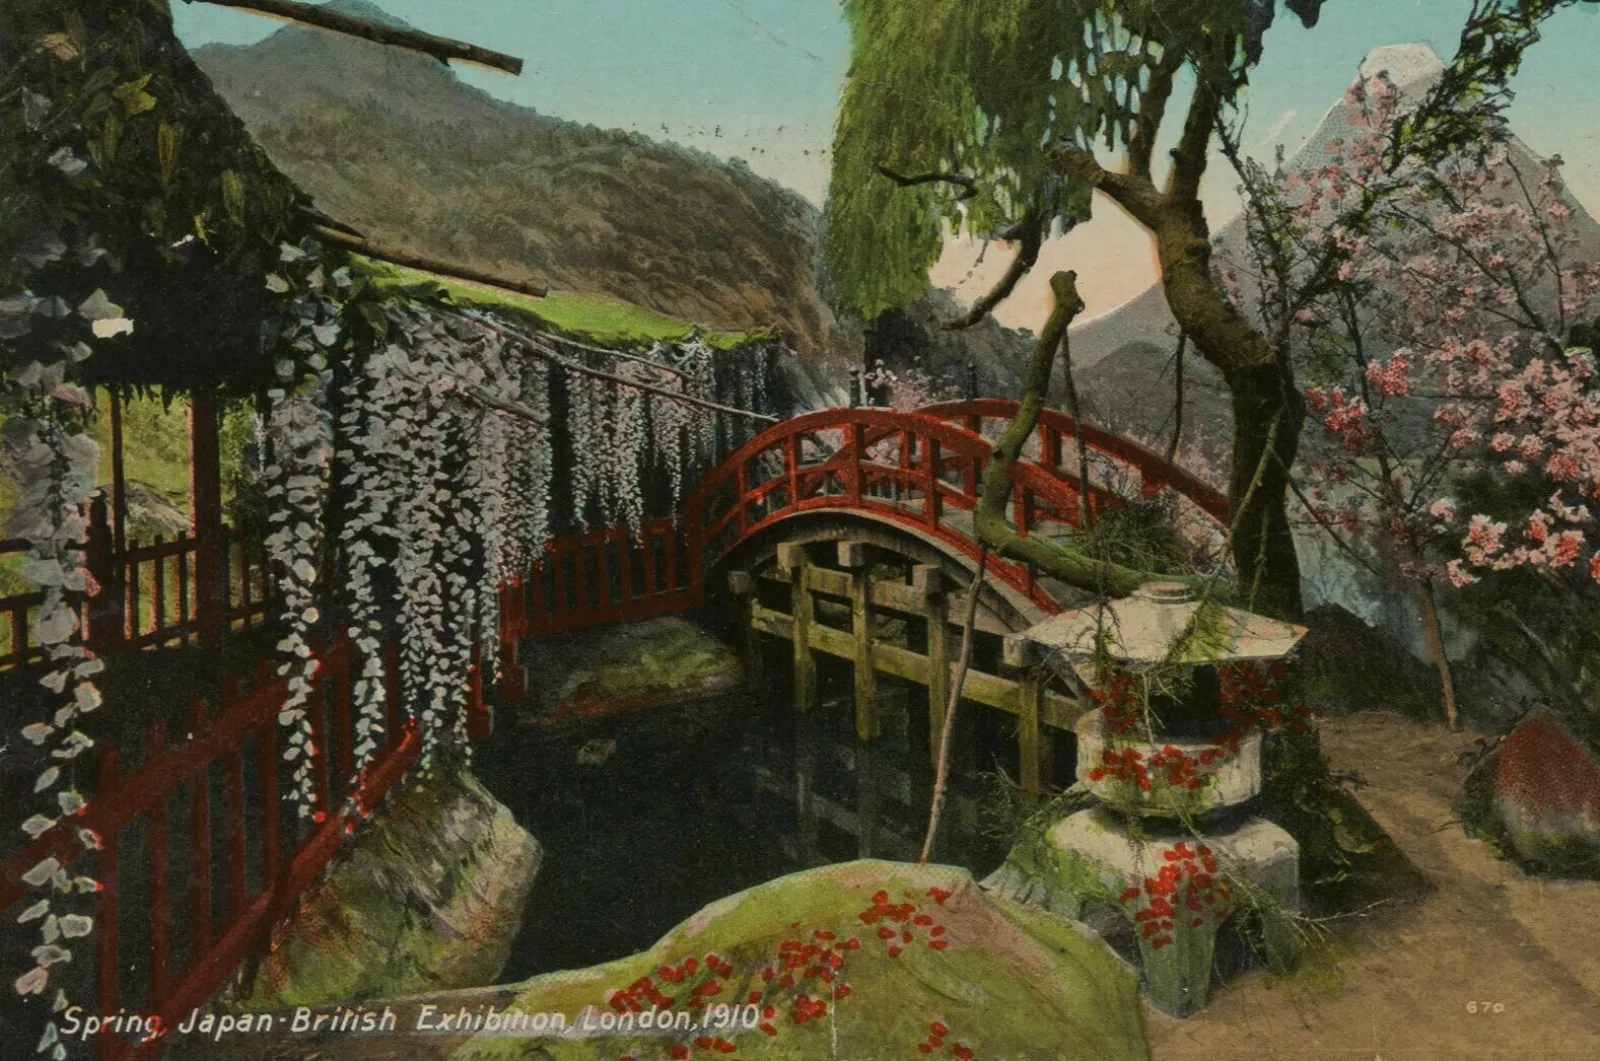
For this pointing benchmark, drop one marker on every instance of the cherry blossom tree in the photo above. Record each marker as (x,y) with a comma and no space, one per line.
(1432,309)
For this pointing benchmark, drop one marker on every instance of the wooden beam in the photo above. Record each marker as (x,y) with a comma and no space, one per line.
(443,49)
(990,690)
(394,256)
(866,675)
(795,562)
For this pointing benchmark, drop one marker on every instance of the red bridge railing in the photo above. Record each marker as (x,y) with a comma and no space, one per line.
(921,470)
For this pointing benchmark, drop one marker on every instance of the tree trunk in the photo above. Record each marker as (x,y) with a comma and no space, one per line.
(1266,436)
(1441,662)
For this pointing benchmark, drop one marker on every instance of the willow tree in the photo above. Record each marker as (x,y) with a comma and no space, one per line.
(986,119)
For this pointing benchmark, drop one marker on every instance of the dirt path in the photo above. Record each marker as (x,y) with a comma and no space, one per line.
(1399,985)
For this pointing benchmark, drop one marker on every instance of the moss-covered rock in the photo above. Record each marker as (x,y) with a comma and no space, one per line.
(862,960)
(428,898)
(646,664)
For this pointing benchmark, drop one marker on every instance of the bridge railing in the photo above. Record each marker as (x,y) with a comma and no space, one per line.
(921,469)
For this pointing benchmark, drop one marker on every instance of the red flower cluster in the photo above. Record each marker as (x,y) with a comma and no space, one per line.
(1183,769)
(906,916)
(1252,697)
(1125,765)
(1188,883)
(642,990)
(1113,693)
(937,1031)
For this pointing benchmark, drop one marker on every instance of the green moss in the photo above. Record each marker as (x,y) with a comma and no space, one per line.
(585,317)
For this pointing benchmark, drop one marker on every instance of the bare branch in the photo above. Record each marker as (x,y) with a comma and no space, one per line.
(441,48)
(428,265)
(1032,235)
(1152,110)
(1135,195)
(968,186)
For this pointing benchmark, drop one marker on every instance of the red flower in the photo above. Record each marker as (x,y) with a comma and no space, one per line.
(678,1051)
(938,944)
(938,1028)
(894,952)
(939,895)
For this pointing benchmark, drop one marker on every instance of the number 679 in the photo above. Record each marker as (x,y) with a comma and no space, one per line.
(1486,1007)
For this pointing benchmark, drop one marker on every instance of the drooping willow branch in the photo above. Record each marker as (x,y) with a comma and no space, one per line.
(538,349)
(443,49)
(1048,555)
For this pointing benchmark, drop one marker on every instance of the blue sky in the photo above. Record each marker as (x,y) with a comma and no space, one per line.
(760,79)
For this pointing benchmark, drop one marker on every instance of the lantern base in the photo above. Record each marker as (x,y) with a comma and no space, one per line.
(1175,890)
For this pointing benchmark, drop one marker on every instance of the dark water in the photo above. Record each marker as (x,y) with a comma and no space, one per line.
(701,800)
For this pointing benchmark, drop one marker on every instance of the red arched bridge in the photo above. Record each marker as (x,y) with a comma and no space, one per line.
(918,471)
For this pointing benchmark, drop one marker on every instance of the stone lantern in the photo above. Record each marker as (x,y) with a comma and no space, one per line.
(1171,842)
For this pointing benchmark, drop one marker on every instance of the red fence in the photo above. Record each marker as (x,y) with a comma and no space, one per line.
(244,861)
(591,579)
(152,594)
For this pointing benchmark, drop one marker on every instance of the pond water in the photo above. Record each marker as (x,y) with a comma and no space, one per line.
(649,816)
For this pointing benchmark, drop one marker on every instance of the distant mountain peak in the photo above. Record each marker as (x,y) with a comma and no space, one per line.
(1413,67)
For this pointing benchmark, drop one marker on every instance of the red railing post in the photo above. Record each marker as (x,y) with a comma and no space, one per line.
(791,467)
(105,608)
(237,821)
(855,443)
(932,504)
(200,845)
(106,906)
(160,898)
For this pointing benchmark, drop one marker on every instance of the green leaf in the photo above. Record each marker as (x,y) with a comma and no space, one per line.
(169,141)
(233,196)
(134,99)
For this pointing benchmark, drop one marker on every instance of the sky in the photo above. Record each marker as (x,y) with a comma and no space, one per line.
(760,80)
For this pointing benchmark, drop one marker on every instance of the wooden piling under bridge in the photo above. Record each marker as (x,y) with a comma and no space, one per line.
(1022,691)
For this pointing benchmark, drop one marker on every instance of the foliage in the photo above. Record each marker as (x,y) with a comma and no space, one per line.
(125,167)
(978,92)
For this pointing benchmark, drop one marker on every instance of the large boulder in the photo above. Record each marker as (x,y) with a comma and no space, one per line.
(428,898)
(1536,797)
(862,960)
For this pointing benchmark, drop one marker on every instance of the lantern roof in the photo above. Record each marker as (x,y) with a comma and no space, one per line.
(1167,622)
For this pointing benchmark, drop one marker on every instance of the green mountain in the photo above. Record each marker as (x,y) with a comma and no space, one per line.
(394,144)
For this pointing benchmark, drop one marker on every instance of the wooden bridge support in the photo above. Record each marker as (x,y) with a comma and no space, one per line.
(792,558)
(1023,693)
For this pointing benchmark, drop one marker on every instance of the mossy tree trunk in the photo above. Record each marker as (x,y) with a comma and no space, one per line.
(1268,410)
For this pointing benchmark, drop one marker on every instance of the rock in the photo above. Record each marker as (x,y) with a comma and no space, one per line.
(1347,666)
(636,665)
(428,898)
(151,514)
(1537,798)
(867,959)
